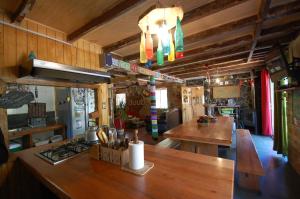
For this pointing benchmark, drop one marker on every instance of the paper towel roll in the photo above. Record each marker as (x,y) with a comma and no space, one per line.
(136,155)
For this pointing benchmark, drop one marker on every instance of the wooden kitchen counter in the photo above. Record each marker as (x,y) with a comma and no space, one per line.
(203,139)
(176,174)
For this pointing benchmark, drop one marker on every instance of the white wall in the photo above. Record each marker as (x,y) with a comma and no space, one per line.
(45,95)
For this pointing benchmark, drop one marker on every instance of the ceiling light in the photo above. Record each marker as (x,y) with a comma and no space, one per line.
(160,22)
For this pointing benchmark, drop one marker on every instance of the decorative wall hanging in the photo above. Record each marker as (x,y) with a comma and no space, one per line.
(153,108)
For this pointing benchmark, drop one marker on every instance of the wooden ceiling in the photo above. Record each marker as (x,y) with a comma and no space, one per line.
(225,35)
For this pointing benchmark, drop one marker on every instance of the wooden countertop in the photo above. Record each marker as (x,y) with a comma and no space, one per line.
(219,133)
(176,174)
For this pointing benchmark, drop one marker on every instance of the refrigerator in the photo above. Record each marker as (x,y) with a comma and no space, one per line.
(72,108)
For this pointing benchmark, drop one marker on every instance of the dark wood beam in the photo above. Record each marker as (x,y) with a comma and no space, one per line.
(209,9)
(264,8)
(215,60)
(202,49)
(195,14)
(119,9)
(285,9)
(199,66)
(223,52)
(293,25)
(23,9)
(220,67)
(230,71)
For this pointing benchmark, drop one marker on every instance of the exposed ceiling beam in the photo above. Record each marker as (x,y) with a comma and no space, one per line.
(264,8)
(206,67)
(195,14)
(202,49)
(104,18)
(219,59)
(285,9)
(197,66)
(220,67)
(222,52)
(293,25)
(223,72)
(23,9)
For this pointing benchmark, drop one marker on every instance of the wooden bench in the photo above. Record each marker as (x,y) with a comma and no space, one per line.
(249,166)
(169,143)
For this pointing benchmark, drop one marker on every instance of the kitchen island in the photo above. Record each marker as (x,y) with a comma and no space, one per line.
(176,174)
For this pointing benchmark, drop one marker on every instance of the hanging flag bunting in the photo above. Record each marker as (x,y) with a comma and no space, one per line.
(133,67)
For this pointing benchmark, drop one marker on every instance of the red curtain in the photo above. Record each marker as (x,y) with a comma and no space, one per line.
(266,103)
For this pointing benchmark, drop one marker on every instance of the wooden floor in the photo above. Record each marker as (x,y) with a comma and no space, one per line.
(280,181)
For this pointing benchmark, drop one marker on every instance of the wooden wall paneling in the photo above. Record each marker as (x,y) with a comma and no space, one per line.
(22,53)
(1,47)
(42,43)
(51,45)
(59,48)
(98,52)
(80,53)
(87,57)
(93,56)
(67,52)
(74,54)
(294,134)
(10,50)
(32,39)
(103,106)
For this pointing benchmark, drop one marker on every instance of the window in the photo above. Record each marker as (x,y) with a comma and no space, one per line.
(120,99)
(161,98)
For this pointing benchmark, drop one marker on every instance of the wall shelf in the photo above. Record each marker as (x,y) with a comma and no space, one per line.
(288,89)
(26,135)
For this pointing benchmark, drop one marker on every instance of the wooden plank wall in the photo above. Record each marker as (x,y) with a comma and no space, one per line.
(15,46)
(294,135)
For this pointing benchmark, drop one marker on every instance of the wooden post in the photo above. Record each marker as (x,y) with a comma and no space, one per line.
(3,116)
(103,106)
(252,89)
(153,110)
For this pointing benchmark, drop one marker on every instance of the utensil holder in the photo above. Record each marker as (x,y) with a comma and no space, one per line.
(114,156)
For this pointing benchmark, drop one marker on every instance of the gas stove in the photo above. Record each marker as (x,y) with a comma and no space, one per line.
(64,152)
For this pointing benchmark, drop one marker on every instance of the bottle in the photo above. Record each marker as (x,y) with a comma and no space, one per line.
(143,58)
(149,45)
(159,54)
(178,35)
(171,56)
(165,39)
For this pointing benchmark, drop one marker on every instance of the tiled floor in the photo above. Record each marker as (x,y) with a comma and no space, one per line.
(280,181)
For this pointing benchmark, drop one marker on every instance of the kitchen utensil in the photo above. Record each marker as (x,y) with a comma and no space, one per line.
(102,136)
(91,135)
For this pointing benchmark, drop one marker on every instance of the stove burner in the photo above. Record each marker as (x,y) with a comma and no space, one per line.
(64,152)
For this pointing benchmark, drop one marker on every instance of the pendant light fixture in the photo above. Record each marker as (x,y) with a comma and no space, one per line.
(160,21)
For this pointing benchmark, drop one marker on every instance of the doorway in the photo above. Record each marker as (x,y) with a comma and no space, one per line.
(192,102)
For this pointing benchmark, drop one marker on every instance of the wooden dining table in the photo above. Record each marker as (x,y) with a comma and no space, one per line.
(203,139)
